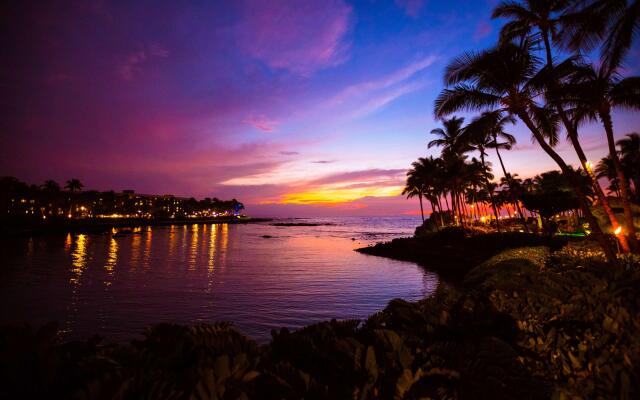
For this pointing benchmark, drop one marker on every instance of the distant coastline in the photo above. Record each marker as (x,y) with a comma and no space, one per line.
(21,227)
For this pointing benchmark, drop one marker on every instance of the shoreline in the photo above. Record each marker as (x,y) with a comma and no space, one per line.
(452,254)
(104,225)
(514,327)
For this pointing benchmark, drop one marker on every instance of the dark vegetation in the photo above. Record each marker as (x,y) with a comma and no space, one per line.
(526,324)
(453,251)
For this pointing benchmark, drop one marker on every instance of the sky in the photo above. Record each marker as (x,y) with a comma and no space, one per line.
(294,107)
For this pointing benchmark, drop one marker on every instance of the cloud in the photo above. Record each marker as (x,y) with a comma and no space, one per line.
(301,36)
(363,89)
(382,99)
(262,123)
(411,7)
(352,176)
(134,62)
(289,153)
(483,29)
(323,162)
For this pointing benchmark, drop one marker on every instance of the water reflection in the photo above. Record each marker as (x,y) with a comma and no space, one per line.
(193,254)
(212,248)
(224,243)
(232,273)
(112,259)
(135,251)
(147,248)
(79,259)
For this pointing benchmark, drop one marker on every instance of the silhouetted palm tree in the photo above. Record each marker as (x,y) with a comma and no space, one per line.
(447,137)
(595,92)
(51,186)
(630,158)
(542,19)
(611,24)
(74,185)
(606,169)
(499,79)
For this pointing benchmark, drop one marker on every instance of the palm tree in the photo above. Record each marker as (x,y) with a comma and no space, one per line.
(447,137)
(499,79)
(606,169)
(611,24)
(489,128)
(595,92)
(533,19)
(528,15)
(630,158)
(74,185)
(413,188)
(51,186)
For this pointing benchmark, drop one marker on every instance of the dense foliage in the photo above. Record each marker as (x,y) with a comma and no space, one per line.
(524,324)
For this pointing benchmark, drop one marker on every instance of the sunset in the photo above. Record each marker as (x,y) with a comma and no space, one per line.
(212,199)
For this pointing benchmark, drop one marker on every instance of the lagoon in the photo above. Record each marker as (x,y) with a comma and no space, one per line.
(258,276)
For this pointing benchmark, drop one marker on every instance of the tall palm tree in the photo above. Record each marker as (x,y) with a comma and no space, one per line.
(414,187)
(74,185)
(498,79)
(606,169)
(630,158)
(595,92)
(51,186)
(611,24)
(447,137)
(543,19)
(489,127)
(527,15)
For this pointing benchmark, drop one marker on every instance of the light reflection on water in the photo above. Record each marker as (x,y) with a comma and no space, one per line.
(115,286)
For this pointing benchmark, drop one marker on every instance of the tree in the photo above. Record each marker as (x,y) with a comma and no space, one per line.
(630,159)
(414,187)
(594,92)
(535,20)
(489,128)
(74,185)
(51,186)
(499,79)
(447,138)
(612,25)
(606,169)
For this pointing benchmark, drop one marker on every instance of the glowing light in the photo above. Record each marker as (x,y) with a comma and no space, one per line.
(618,230)
(589,165)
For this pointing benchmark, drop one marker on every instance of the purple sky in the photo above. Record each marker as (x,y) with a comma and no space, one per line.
(296,108)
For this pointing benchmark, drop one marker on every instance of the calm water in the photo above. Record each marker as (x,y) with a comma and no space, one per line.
(115,286)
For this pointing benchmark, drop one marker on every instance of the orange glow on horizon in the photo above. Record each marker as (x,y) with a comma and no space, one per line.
(335,196)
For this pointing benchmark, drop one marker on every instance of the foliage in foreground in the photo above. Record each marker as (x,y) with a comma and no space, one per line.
(524,324)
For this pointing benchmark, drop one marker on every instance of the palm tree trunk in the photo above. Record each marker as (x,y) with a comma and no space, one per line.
(623,182)
(421,209)
(582,198)
(514,197)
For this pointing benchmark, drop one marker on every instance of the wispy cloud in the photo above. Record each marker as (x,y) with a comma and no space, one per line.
(411,7)
(323,162)
(289,153)
(395,77)
(132,66)
(262,123)
(483,29)
(301,37)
